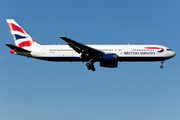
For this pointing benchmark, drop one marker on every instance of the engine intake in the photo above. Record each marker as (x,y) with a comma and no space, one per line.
(109,60)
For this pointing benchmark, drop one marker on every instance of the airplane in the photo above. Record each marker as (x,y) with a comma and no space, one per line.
(107,55)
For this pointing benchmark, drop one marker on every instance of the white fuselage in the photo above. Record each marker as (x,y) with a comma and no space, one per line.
(124,52)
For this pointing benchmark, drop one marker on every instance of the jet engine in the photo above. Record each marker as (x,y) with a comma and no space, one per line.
(109,60)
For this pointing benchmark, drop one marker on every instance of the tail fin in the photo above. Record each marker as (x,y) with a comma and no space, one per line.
(21,38)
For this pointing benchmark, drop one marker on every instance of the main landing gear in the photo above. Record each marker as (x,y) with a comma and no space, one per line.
(162,62)
(90,65)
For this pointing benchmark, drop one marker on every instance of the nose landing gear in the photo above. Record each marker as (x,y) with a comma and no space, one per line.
(162,62)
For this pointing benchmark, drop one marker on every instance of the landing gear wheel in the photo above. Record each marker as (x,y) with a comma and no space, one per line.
(162,62)
(161,66)
(93,69)
(90,66)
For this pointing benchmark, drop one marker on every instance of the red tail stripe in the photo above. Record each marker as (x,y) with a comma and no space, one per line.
(10,26)
(13,27)
(26,43)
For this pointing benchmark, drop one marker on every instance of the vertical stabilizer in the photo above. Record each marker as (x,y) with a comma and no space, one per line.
(21,38)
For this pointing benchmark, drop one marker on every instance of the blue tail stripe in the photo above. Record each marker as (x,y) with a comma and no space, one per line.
(19,37)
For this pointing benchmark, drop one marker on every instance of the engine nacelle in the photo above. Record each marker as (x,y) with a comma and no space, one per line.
(109,60)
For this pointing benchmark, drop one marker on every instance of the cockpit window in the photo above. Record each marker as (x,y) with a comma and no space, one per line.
(168,49)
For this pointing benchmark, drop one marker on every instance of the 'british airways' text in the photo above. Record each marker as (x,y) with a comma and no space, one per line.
(139,53)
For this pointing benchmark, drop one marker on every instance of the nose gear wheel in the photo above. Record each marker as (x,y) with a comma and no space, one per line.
(161,66)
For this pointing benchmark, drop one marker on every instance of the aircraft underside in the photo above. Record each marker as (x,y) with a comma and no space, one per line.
(121,59)
(90,64)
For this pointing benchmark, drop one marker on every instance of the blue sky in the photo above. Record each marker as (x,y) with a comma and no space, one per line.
(32,89)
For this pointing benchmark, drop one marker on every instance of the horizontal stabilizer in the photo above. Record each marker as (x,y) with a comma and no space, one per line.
(17,48)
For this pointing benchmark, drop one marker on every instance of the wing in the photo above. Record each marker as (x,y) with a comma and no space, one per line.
(80,48)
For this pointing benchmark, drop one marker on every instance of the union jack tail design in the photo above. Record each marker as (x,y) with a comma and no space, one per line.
(21,38)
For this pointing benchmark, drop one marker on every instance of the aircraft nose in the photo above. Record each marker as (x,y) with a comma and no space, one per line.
(173,54)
